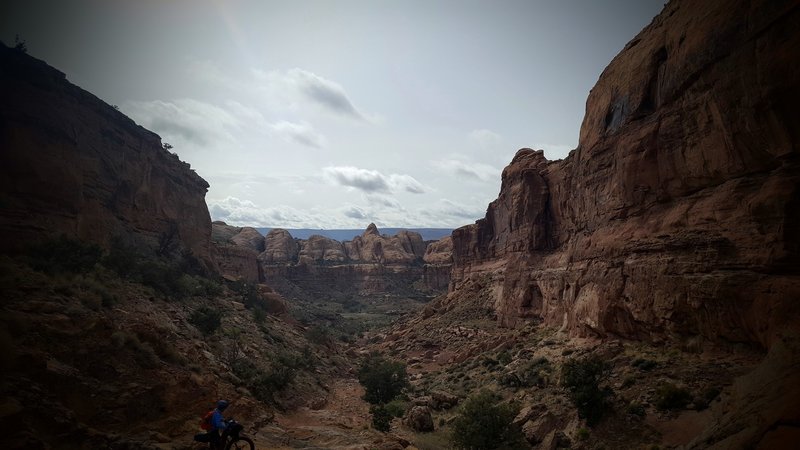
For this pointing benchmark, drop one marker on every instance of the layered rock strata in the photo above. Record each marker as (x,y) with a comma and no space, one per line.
(73,165)
(677,215)
(371,264)
(235,251)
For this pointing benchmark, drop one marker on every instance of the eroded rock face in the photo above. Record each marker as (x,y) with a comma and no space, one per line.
(74,165)
(370,264)
(677,215)
(235,251)
(280,247)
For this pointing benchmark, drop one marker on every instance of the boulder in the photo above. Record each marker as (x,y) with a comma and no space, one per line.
(419,418)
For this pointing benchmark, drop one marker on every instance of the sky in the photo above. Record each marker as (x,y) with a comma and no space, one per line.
(334,114)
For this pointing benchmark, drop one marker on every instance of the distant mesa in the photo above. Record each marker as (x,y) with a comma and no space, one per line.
(341,235)
(370,263)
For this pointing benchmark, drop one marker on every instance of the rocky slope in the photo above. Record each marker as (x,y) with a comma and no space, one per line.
(677,215)
(76,166)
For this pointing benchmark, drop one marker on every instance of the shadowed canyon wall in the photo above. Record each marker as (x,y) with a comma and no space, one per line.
(678,215)
(73,165)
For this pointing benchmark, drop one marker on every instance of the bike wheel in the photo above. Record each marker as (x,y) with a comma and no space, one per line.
(241,443)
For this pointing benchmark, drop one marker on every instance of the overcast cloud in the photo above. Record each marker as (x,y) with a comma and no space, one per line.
(323,114)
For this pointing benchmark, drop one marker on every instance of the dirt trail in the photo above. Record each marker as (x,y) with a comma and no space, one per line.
(343,423)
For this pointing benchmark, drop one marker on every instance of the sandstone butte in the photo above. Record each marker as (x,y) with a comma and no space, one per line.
(678,214)
(370,264)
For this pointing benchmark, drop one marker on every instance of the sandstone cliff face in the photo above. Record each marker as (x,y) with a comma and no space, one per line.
(236,250)
(370,264)
(73,165)
(677,215)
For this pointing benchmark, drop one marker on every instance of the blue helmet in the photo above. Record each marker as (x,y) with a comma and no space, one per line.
(222,404)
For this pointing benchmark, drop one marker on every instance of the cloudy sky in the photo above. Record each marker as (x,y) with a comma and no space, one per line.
(334,114)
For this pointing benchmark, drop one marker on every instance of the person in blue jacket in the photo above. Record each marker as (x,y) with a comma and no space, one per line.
(218,424)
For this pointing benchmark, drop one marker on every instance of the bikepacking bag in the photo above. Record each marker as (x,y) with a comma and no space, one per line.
(202,437)
(205,422)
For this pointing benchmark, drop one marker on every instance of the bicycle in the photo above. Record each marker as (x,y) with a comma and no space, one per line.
(232,438)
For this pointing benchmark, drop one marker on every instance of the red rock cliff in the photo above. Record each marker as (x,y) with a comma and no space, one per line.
(369,265)
(679,212)
(71,164)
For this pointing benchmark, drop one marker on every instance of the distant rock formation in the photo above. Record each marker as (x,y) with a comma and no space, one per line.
(678,215)
(236,250)
(73,165)
(370,264)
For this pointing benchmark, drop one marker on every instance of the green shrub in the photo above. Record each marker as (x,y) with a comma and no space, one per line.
(264,383)
(143,352)
(629,381)
(669,396)
(504,358)
(259,315)
(206,319)
(583,378)
(644,364)
(382,379)
(318,335)
(381,418)
(637,409)
(397,407)
(122,258)
(484,423)
(64,255)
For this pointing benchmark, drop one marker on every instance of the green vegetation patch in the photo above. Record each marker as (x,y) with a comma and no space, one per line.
(485,423)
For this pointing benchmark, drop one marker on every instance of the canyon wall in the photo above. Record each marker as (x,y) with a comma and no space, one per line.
(370,265)
(73,165)
(678,215)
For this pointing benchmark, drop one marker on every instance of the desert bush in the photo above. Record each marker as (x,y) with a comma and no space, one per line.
(175,276)
(121,258)
(381,418)
(583,379)
(504,358)
(636,408)
(264,383)
(644,364)
(397,407)
(668,396)
(143,352)
(382,379)
(206,319)
(259,315)
(318,335)
(64,255)
(484,423)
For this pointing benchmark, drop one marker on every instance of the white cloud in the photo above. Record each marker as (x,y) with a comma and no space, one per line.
(363,179)
(371,181)
(298,86)
(300,133)
(450,212)
(354,212)
(406,183)
(474,170)
(185,119)
(324,92)
(238,212)
(383,201)
(484,137)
